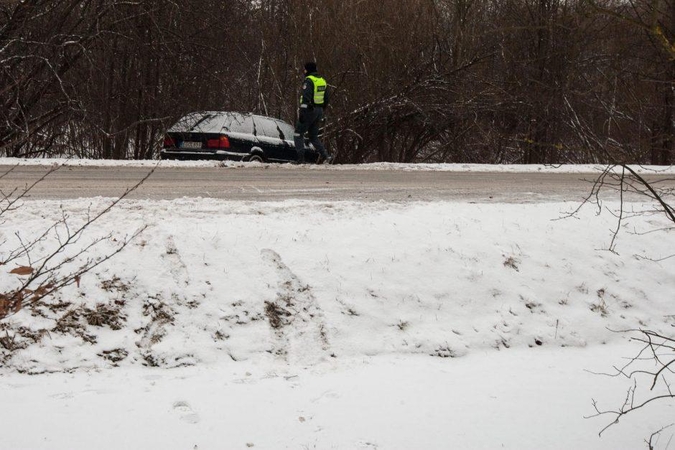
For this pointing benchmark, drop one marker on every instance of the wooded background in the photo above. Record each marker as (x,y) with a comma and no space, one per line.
(493,81)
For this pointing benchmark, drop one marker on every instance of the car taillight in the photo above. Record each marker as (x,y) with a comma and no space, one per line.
(221,142)
(169,142)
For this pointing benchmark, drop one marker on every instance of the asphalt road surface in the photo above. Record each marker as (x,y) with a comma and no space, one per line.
(274,183)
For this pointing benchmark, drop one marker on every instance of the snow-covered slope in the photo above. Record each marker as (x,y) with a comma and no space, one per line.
(302,282)
(341,325)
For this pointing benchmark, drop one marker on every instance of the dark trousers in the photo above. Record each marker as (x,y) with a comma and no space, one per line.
(309,122)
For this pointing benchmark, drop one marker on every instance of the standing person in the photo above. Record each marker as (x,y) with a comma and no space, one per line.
(313,100)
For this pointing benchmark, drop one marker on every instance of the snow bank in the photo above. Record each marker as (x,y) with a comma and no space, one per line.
(341,325)
(301,282)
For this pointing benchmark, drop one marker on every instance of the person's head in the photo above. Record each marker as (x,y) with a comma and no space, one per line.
(310,67)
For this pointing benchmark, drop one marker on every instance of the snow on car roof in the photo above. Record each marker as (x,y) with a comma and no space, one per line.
(203,121)
(213,121)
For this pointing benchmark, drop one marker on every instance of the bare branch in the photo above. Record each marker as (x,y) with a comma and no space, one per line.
(45,276)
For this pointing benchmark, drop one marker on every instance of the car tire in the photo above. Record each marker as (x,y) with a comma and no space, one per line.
(255,158)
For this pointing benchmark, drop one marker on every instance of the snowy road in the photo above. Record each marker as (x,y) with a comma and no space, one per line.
(254,182)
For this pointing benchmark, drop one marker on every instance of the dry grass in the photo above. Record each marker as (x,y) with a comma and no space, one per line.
(114,356)
(106,315)
(115,284)
(512,263)
(277,316)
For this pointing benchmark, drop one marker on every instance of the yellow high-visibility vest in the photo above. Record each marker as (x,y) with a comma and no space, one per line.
(319,89)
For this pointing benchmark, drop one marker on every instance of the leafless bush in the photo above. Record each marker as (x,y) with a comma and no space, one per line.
(651,370)
(56,257)
(653,384)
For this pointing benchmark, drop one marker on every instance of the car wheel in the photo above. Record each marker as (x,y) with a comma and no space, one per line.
(255,158)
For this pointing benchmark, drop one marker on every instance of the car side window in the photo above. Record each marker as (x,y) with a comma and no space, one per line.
(286,130)
(239,124)
(268,128)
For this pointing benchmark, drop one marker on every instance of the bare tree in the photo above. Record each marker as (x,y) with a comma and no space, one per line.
(429,80)
(104,78)
(41,41)
(652,27)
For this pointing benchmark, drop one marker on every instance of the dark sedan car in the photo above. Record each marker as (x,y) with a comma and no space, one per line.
(234,136)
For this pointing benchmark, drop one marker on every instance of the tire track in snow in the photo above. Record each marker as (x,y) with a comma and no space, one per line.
(295,317)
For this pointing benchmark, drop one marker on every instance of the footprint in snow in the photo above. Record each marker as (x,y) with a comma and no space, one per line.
(185,412)
(326,396)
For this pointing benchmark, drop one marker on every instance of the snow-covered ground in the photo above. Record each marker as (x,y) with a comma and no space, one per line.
(336,325)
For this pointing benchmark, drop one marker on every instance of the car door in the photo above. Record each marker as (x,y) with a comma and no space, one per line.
(271,139)
(240,130)
(287,131)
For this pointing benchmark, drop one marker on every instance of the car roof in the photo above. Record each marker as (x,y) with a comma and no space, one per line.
(213,121)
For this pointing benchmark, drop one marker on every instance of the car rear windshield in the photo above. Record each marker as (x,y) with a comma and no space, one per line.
(198,122)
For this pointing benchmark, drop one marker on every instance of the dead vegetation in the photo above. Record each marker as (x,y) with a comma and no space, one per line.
(13,302)
(444,351)
(77,320)
(160,315)
(109,315)
(58,316)
(115,285)
(114,356)
(601,306)
(512,263)
(277,316)
(158,311)
(21,338)
(402,325)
